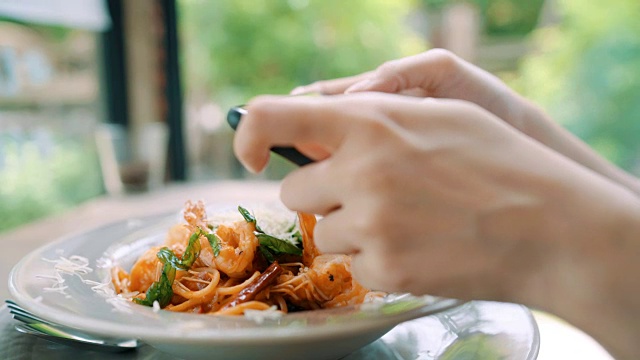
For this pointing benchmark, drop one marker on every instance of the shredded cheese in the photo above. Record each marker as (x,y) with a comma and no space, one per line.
(259,316)
(275,221)
(79,266)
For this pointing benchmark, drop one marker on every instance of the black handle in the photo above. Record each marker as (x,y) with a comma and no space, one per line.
(235,115)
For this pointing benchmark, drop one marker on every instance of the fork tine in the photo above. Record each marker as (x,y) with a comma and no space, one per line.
(35,325)
(30,319)
(24,319)
(25,316)
(12,304)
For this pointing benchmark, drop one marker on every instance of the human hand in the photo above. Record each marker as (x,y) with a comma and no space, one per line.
(435,73)
(430,196)
(439,73)
(442,197)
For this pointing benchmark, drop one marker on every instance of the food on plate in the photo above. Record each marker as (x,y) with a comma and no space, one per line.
(227,265)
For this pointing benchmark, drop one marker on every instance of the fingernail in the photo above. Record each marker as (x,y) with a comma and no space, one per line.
(257,165)
(298,91)
(251,168)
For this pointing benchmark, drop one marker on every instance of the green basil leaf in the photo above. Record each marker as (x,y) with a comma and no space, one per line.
(278,246)
(215,244)
(267,254)
(169,257)
(192,251)
(161,290)
(246,214)
(248,217)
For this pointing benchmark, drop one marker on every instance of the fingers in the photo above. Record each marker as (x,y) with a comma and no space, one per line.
(330,87)
(335,234)
(428,71)
(319,125)
(313,189)
(287,121)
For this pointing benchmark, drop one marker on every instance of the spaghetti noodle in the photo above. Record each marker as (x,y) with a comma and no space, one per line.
(226,267)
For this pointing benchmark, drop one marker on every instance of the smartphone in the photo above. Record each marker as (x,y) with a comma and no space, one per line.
(234,116)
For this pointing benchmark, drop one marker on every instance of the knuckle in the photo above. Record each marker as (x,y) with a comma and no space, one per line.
(373,125)
(260,105)
(444,59)
(392,72)
(388,68)
(253,122)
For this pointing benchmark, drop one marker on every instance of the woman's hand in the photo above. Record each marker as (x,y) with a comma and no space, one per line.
(440,74)
(442,197)
(436,73)
(417,187)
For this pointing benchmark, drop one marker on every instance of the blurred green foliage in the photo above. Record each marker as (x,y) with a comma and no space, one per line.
(48,161)
(500,17)
(233,50)
(586,73)
(37,182)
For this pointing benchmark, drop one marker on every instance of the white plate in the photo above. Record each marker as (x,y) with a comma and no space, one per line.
(79,303)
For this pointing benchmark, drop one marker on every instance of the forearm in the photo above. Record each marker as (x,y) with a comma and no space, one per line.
(542,128)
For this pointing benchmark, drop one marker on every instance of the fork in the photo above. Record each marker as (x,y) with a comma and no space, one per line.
(45,329)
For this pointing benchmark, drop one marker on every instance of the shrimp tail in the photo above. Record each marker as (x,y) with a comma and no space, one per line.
(309,250)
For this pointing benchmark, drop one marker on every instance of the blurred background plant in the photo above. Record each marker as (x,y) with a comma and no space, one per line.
(585,71)
(238,49)
(49,105)
(38,180)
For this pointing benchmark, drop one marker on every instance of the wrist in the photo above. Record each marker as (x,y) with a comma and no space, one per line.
(594,281)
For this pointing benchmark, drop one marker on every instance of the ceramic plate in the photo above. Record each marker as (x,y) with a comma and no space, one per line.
(67,281)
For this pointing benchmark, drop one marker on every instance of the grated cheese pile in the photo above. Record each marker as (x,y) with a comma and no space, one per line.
(280,223)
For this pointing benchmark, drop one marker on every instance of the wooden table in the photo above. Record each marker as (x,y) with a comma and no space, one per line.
(558,339)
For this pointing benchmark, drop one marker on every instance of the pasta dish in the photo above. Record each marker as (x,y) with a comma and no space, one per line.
(223,266)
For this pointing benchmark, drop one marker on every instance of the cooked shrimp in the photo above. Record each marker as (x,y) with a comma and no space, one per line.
(195,214)
(196,217)
(178,239)
(326,283)
(238,245)
(120,280)
(145,271)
